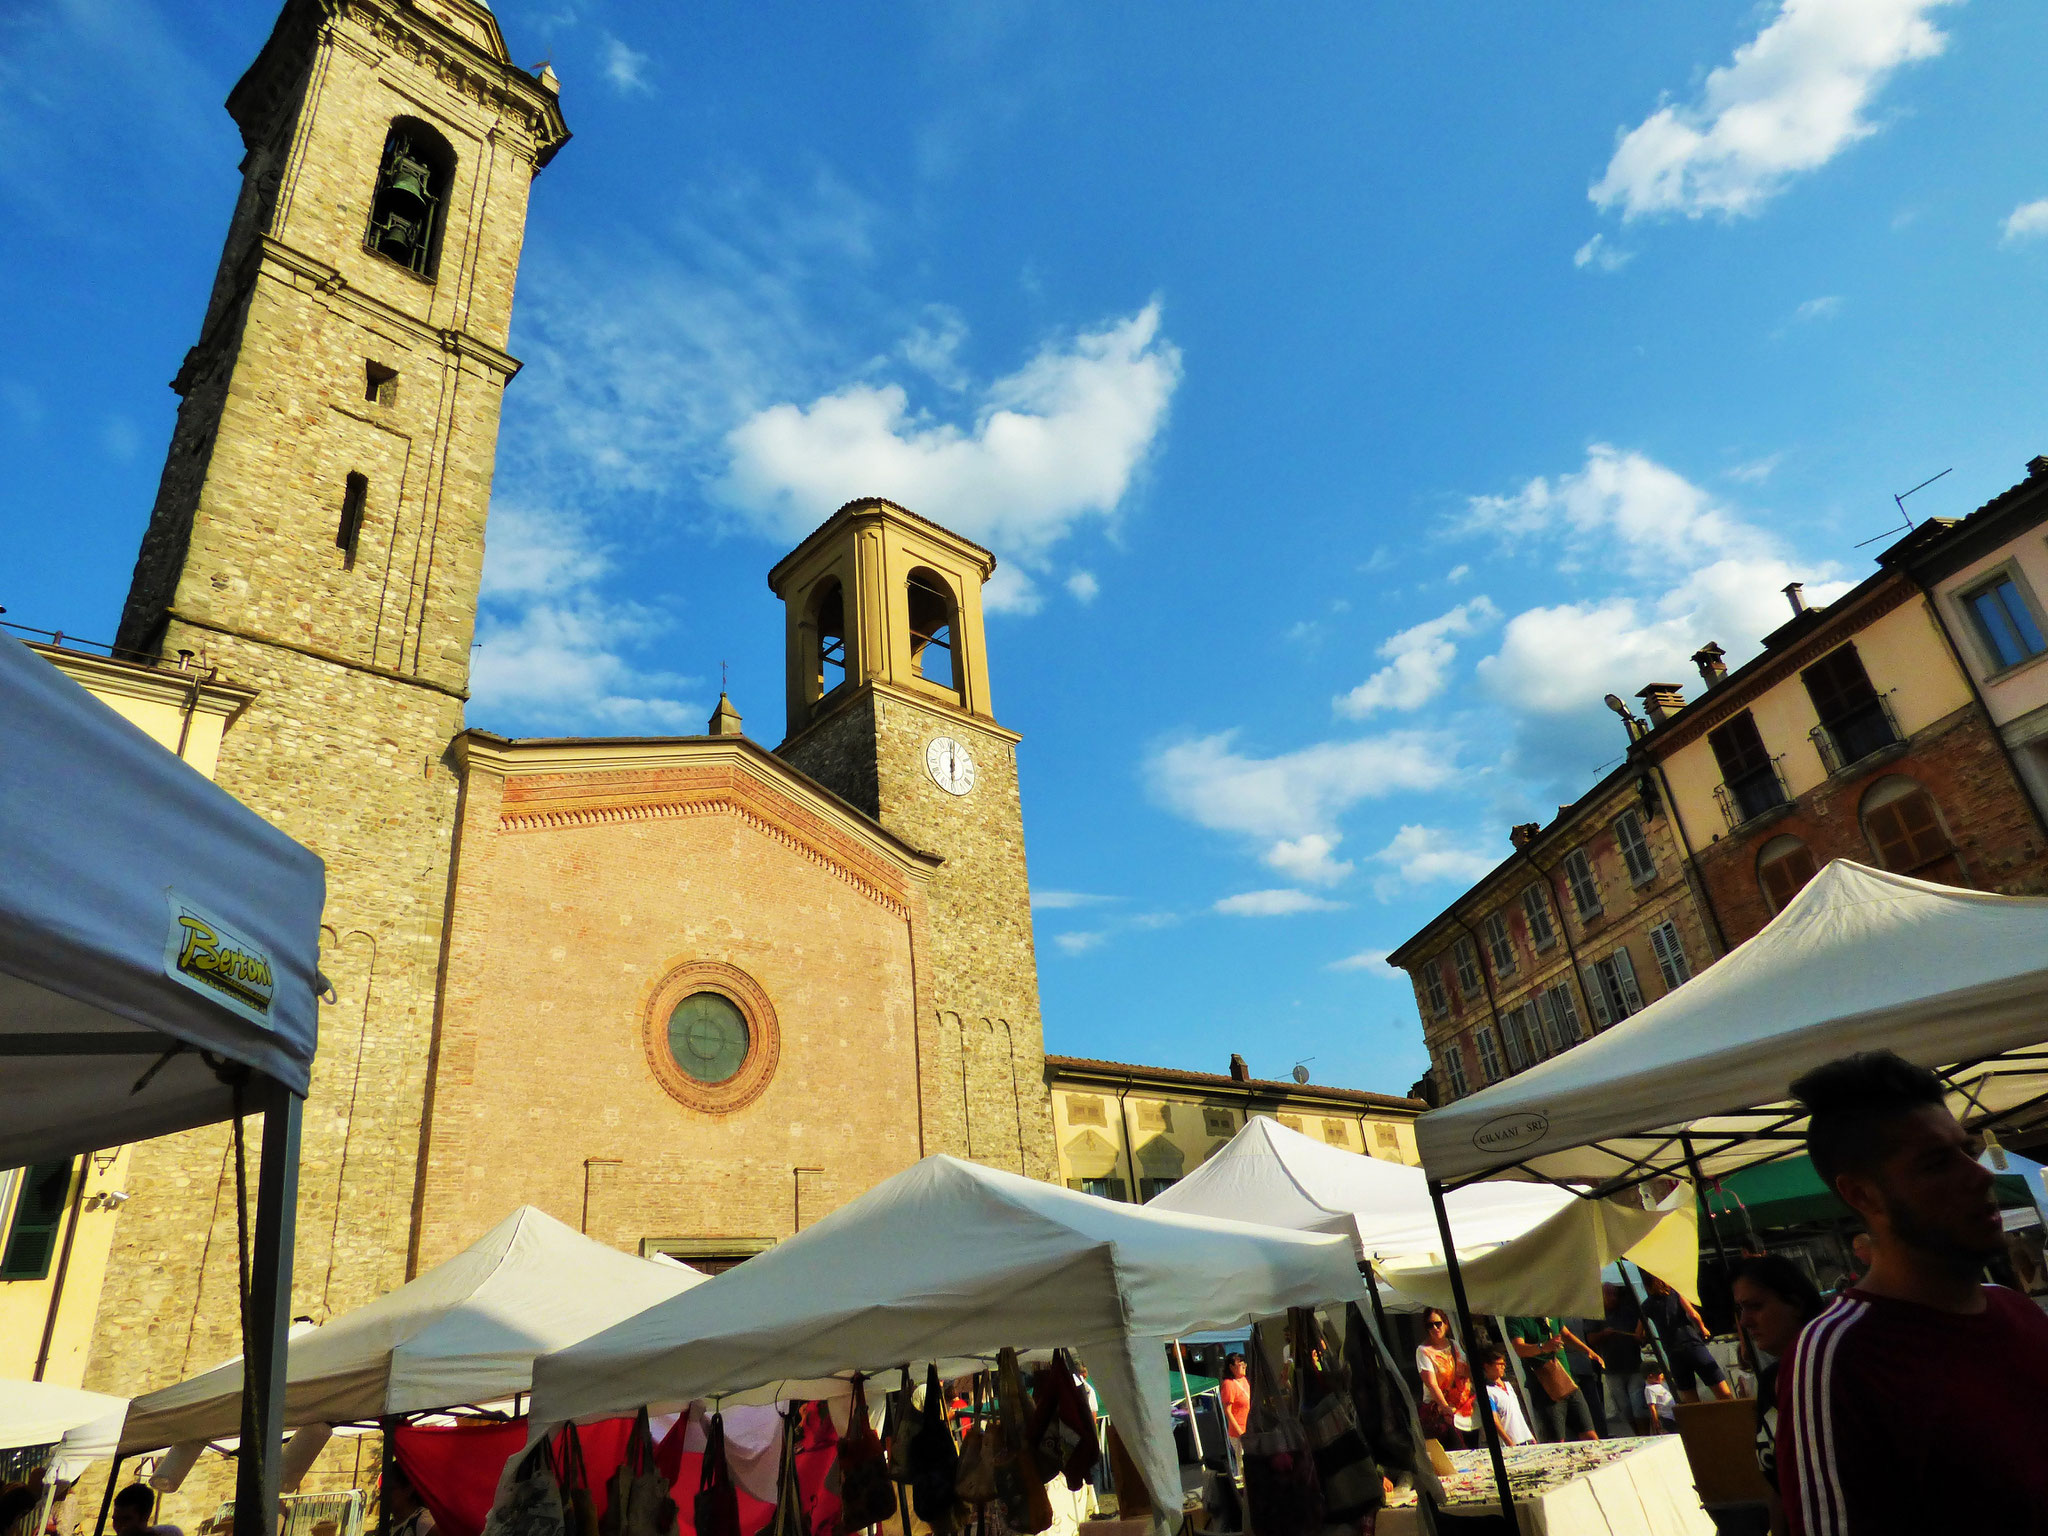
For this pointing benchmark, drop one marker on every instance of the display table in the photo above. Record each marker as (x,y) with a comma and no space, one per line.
(1586,1488)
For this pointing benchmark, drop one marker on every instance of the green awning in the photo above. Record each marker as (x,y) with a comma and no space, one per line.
(1789,1191)
(1196,1385)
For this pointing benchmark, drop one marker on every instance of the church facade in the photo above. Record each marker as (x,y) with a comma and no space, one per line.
(687,994)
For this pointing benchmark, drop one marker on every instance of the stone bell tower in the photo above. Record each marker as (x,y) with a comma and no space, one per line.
(318,535)
(889,708)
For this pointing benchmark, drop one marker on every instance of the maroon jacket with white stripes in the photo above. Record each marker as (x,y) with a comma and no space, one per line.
(1900,1418)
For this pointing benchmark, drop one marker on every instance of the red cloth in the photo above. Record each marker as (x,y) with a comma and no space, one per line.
(456,1469)
(1897,1418)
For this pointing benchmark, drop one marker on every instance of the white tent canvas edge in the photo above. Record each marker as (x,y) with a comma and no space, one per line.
(463,1332)
(1860,959)
(947,1261)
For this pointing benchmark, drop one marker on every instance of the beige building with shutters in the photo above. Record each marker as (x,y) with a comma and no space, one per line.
(1127,1132)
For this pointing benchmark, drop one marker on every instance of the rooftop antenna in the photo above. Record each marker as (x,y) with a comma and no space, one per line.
(1300,1072)
(1899,500)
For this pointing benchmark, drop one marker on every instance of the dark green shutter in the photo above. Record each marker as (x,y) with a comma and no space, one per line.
(38,1215)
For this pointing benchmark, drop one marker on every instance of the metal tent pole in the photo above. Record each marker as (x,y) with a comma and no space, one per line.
(107,1499)
(1379,1307)
(1188,1397)
(1699,1193)
(269,1311)
(1482,1405)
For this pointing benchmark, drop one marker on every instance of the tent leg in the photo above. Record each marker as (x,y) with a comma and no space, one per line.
(1699,1185)
(269,1314)
(1482,1407)
(387,1455)
(107,1500)
(1379,1307)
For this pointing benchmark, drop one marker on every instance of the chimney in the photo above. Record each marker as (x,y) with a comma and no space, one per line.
(1524,833)
(725,720)
(2037,466)
(1661,701)
(1795,594)
(1239,1071)
(1708,659)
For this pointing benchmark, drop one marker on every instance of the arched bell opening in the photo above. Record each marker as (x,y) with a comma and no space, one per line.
(411,202)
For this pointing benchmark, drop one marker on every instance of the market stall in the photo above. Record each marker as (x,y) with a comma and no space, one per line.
(1628,1487)
(159,948)
(1544,1248)
(949,1262)
(463,1334)
(1695,1086)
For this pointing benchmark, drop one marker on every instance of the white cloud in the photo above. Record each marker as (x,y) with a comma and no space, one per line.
(1418,662)
(1600,256)
(1428,856)
(1457,573)
(2029,221)
(1010,590)
(1623,503)
(1079,943)
(1790,100)
(553,652)
(1083,587)
(933,347)
(1059,440)
(1370,960)
(1756,471)
(626,69)
(1281,903)
(1824,308)
(1289,805)
(1064,901)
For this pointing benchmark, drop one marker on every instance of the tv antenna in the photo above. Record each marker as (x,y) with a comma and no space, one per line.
(1905,517)
(1300,1072)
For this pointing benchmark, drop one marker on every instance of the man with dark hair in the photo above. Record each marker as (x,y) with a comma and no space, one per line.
(133,1507)
(1918,1401)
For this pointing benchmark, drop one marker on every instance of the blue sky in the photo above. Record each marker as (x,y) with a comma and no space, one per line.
(1353,395)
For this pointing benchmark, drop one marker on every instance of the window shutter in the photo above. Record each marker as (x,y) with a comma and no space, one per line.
(1596,994)
(1625,979)
(38,1216)
(1784,876)
(1564,1017)
(1907,832)
(1738,747)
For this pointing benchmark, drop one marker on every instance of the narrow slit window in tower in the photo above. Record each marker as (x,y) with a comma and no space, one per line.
(353,499)
(931,630)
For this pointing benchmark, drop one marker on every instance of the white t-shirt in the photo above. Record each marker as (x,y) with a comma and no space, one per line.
(1509,1408)
(1658,1395)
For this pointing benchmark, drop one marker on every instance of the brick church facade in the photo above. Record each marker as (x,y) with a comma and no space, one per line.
(687,994)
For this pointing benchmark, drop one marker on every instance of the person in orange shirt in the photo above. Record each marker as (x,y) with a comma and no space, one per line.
(1236,1391)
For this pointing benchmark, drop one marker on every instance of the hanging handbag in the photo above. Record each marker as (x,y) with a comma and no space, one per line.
(717,1506)
(1280,1482)
(1382,1410)
(975,1480)
(905,1422)
(637,1498)
(1062,1426)
(866,1496)
(1027,1507)
(1345,1464)
(530,1504)
(1552,1377)
(790,1517)
(579,1507)
(934,1462)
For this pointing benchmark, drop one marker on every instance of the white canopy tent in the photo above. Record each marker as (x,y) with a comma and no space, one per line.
(84,1426)
(159,949)
(950,1262)
(1860,959)
(143,911)
(465,1332)
(1544,1247)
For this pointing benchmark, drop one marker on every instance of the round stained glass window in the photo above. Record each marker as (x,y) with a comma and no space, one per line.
(707,1036)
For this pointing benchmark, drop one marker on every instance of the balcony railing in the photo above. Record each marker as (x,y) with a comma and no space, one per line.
(1863,732)
(1750,795)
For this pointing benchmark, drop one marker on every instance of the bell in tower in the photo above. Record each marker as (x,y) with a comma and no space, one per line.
(405,213)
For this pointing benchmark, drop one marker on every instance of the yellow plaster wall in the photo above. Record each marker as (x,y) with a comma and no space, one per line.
(25,1304)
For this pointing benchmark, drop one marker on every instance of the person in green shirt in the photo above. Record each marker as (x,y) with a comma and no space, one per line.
(1560,1406)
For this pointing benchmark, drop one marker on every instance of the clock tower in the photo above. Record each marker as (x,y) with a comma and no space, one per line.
(889,708)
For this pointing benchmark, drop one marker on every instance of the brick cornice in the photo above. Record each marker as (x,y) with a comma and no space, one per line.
(541,796)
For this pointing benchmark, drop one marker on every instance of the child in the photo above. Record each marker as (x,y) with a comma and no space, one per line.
(1501,1399)
(1661,1402)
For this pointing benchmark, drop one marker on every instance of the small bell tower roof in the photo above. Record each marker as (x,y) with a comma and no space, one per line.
(725,720)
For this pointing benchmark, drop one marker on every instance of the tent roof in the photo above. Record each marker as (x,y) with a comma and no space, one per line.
(42,1413)
(106,842)
(949,1261)
(1282,1178)
(1860,959)
(466,1331)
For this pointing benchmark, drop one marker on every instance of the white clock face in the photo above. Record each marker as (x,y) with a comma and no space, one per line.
(949,765)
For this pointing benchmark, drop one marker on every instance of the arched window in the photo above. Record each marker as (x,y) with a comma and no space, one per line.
(411,201)
(931,629)
(828,619)
(1783,866)
(1904,827)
